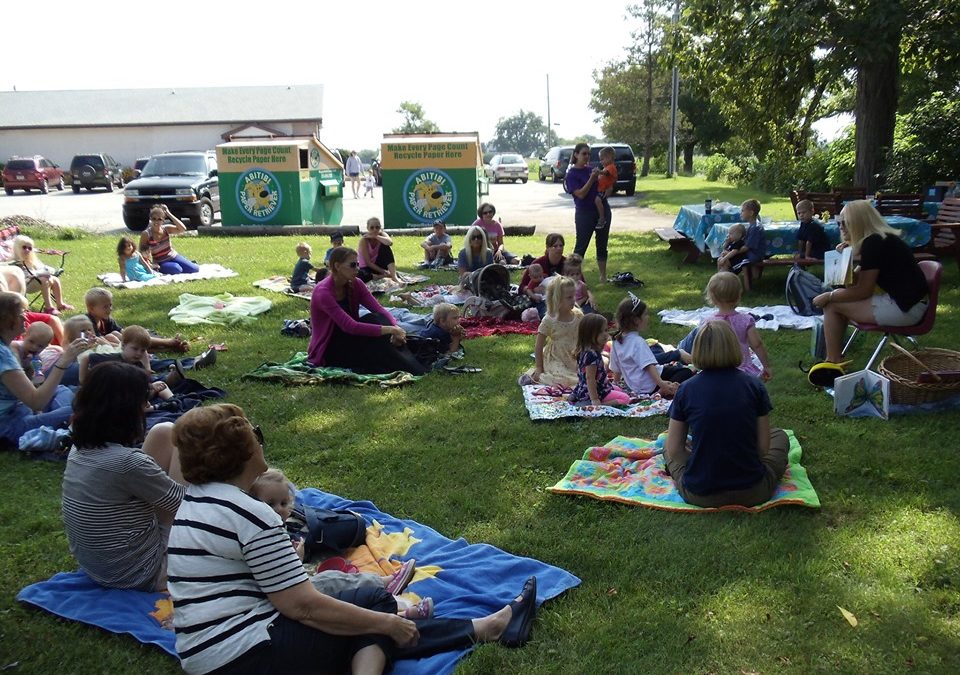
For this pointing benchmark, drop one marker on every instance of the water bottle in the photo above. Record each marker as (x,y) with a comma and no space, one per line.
(708,205)
(37,365)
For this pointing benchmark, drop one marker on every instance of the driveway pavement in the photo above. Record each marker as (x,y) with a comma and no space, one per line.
(542,204)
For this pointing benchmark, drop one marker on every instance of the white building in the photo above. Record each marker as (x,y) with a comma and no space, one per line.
(132,123)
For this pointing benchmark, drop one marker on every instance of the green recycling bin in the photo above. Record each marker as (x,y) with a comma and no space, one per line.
(431,177)
(281,181)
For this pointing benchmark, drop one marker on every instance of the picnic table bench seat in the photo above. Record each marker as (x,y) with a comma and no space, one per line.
(679,242)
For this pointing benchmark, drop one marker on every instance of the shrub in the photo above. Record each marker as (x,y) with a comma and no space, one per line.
(842,159)
(926,145)
(714,166)
(658,163)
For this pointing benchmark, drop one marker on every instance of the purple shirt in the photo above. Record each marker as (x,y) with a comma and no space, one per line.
(741,323)
(576,179)
(325,313)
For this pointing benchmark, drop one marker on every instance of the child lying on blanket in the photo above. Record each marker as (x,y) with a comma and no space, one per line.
(632,359)
(99,303)
(445,328)
(276,490)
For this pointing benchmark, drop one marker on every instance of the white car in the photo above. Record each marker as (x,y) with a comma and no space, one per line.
(508,166)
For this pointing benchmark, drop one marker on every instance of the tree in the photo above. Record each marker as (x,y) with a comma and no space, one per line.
(773,68)
(414,120)
(524,132)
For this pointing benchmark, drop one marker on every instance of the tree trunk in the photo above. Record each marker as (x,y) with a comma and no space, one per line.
(648,131)
(876,111)
(688,158)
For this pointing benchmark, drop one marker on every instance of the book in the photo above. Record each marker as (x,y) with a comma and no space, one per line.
(838,267)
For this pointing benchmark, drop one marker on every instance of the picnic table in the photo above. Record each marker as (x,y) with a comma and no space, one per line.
(782,235)
(694,222)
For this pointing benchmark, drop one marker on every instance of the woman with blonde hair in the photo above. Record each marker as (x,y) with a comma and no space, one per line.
(886,264)
(475,253)
(38,276)
(734,457)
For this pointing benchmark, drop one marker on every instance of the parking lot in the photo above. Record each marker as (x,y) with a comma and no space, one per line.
(542,204)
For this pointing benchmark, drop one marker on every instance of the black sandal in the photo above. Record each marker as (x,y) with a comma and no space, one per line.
(460,370)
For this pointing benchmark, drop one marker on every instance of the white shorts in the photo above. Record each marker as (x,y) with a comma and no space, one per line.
(886,312)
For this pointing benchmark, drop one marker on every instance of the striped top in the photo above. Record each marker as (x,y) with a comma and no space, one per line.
(227,552)
(110,500)
(160,248)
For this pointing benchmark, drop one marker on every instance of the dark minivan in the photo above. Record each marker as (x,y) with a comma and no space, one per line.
(554,164)
(95,170)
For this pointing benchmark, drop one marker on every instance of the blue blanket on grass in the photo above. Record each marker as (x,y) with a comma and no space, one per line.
(467,581)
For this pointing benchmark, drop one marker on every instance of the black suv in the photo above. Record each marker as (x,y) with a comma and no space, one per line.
(95,170)
(185,181)
(555,163)
(626,165)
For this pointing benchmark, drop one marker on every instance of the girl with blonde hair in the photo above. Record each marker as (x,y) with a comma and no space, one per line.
(38,276)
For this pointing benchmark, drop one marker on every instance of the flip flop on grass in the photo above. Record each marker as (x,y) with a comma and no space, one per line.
(460,370)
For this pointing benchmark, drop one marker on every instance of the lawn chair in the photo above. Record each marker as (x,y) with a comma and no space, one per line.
(932,271)
(945,231)
(907,204)
(7,236)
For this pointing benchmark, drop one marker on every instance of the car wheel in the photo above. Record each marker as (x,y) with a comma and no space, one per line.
(60,184)
(44,186)
(110,185)
(555,178)
(9,191)
(76,189)
(630,191)
(540,175)
(523,180)
(134,225)
(205,215)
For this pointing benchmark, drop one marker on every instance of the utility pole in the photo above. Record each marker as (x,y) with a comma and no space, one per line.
(549,126)
(674,95)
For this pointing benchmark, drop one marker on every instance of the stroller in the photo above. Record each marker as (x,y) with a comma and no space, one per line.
(492,295)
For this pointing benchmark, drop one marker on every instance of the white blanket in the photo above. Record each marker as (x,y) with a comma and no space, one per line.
(783,317)
(209,271)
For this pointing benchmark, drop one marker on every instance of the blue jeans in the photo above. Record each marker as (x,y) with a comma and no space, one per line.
(586,223)
(55,414)
(178,265)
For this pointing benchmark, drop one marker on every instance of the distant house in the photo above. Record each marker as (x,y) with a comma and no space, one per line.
(132,123)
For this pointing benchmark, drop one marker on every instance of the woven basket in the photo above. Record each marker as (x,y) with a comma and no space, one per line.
(902,370)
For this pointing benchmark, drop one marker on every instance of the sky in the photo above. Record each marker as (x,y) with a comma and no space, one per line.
(468,64)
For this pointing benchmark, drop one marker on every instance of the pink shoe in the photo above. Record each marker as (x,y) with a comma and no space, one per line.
(400,579)
(65,307)
(421,610)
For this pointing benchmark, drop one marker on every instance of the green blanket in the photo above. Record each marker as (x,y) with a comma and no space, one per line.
(224,309)
(298,371)
(632,471)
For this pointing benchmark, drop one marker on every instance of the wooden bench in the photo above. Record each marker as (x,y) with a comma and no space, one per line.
(680,243)
(945,232)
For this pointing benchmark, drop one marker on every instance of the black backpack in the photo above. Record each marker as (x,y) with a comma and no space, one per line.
(802,287)
(325,530)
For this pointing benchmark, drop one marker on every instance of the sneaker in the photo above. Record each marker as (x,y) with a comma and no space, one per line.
(208,358)
(402,577)
(420,611)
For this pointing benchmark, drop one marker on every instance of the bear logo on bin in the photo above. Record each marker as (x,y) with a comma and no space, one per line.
(258,194)
(429,195)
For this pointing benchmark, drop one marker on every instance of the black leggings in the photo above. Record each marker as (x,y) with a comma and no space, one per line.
(369,355)
(297,648)
(586,222)
(383,261)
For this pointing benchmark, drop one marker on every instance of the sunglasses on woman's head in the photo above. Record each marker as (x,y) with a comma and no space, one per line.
(258,432)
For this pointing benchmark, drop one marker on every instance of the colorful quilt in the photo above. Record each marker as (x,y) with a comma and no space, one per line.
(210,271)
(297,371)
(632,471)
(281,284)
(465,580)
(550,403)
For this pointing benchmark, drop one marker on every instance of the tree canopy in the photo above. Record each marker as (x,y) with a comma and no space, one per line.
(414,120)
(523,132)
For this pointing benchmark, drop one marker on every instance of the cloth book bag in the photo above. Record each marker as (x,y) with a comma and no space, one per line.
(325,530)
(802,287)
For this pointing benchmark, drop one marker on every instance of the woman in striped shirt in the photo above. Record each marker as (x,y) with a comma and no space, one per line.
(156,240)
(118,501)
(242,601)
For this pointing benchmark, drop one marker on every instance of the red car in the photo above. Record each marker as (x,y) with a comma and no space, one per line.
(31,173)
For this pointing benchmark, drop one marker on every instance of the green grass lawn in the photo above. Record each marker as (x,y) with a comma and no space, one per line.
(661,592)
(665,195)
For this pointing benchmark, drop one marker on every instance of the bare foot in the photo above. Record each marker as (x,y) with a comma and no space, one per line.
(491,627)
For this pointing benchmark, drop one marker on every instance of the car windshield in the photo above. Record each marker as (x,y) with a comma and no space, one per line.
(512,159)
(20,164)
(176,165)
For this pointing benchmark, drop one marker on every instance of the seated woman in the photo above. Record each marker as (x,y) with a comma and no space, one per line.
(551,261)
(11,279)
(118,501)
(39,277)
(156,240)
(244,603)
(735,457)
(375,253)
(24,406)
(476,253)
(374,344)
(494,232)
(887,264)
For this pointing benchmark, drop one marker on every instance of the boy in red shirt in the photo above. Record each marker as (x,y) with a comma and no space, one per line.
(606,182)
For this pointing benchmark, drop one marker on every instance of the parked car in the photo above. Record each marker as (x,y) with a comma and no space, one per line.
(626,165)
(31,173)
(554,164)
(507,166)
(185,181)
(138,166)
(95,170)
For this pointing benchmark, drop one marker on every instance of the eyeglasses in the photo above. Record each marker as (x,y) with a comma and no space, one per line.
(476,237)
(27,247)
(259,434)
(354,264)
(488,213)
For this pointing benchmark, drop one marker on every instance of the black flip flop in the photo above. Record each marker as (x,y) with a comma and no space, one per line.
(523,611)
(460,370)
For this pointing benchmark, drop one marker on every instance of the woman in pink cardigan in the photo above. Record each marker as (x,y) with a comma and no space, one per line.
(340,338)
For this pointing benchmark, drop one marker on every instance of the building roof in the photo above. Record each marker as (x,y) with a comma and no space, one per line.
(150,107)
